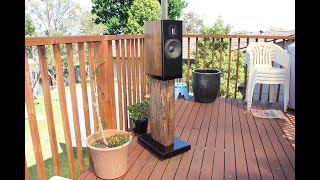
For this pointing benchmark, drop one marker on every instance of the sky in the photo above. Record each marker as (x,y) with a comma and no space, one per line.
(248,15)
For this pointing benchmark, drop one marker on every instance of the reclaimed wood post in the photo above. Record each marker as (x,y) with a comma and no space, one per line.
(105,83)
(162,111)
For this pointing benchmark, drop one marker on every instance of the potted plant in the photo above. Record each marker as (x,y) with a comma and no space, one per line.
(139,113)
(108,148)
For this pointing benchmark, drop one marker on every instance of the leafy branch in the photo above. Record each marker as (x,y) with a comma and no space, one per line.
(101,123)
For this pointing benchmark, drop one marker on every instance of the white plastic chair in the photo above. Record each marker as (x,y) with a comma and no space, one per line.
(259,58)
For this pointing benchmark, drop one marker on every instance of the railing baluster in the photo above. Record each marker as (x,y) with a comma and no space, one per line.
(129,75)
(93,99)
(111,91)
(142,70)
(205,53)
(212,53)
(229,58)
(74,103)
(64,111)
(49,110)
(84,92)
(119,84)
(221,46)
(138,82)
(237,70)
(197,46)
(133,66)
(129,54)
(188,71)
(124,77)
(33,123)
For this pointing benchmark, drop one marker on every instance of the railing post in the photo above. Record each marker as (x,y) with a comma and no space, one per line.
(105,83)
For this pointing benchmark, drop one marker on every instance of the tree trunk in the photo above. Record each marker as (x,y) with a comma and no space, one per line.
(162,111)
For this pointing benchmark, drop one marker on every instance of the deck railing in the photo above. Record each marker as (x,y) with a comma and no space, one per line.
(122,82)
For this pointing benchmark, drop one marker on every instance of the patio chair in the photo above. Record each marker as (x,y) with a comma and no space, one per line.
(259,58)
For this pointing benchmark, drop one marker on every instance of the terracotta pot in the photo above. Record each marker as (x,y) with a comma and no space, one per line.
(108,163)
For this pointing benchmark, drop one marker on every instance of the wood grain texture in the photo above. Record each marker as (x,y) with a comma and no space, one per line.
(124,86)
(204,53)
(162,111)
(49,109)
(228,78)
(133,72)
(119,80)
(138,82)
(153,47)
(33,123)
(197,47)
(74,102)
(188,70)
(84,92)
(226,144)
(64,111)
(91,60)
(237,70)
(106,106)
(212,45)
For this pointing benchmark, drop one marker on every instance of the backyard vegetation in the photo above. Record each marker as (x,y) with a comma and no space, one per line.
(45,140)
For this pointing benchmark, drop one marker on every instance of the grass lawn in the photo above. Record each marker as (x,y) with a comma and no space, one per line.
(45,140)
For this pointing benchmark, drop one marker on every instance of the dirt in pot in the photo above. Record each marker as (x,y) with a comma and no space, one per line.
(116,140)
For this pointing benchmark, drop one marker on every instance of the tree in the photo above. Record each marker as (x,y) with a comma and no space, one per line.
(218,28)
(112,13)
(175,8)
(29,27)
(191,23)
(55,17)
(115,14)
(89,27)
(141,11)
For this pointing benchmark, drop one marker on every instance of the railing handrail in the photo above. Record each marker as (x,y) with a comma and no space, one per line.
(238,36)
(38,41)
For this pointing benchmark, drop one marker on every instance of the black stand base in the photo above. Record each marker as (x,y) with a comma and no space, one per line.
(164,152)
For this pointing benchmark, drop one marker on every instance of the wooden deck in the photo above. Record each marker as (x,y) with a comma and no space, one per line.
(226,143)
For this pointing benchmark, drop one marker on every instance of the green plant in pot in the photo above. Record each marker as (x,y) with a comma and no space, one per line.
(108,148)
(139,114)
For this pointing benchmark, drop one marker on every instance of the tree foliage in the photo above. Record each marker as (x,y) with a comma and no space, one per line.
(89,27)
(112,13)
(29,27)
(175,8)
(115,14)
(141,11)
(191,23)
(55,17)
(218,28)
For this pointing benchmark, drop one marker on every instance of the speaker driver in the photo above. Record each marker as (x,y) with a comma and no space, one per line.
(172,48)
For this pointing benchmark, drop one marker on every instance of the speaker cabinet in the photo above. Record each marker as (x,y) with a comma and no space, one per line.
(163,49)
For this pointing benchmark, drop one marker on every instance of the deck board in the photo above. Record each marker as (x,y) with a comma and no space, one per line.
(227,142)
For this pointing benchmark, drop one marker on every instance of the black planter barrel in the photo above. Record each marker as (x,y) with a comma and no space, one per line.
(205,84)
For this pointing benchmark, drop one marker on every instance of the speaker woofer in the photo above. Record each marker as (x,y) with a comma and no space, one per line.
(172,48)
